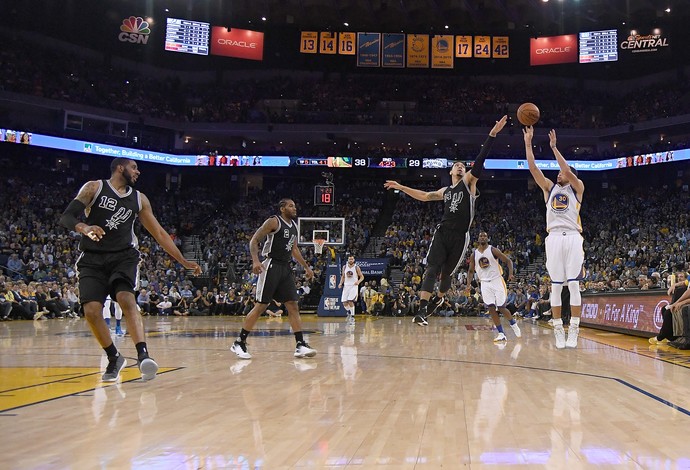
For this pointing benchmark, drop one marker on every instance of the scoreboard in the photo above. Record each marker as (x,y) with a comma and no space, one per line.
(598,46)
(190,37)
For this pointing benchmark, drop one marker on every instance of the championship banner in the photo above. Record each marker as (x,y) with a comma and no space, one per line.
(393,50)
(463,47)
(235,42)
(368,49)
(553,50)
(499,49)
(309,42)
(418,51)
(327,43)
(482,47)
(346,44)
(442,52)
(655,42)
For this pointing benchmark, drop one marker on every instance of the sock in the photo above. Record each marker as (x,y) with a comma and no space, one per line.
(299,337)
(512,322)
(422,306)
(575,321)
(141,350)
(107,322)
(558,323)
(500,328)
(118,323)
(352,311)
(243,336)
(111,351)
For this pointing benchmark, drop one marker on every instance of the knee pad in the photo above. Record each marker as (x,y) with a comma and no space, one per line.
(430,275)
(555,298)
(575,297)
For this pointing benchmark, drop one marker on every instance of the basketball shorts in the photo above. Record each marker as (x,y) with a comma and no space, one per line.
(350,293)
(565,256)
(447,250)
(103,274)
(494,292)
(276,282)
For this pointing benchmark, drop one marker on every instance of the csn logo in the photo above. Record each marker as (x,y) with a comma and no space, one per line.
(553,50)
(135,30)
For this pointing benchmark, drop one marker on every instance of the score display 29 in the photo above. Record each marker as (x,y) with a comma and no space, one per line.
(386,162)
(324,195)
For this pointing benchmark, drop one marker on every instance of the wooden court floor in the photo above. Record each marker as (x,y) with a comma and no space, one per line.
(382,394)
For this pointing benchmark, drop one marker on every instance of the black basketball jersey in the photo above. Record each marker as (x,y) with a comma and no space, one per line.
(279,244)
(458,210)
(115,213)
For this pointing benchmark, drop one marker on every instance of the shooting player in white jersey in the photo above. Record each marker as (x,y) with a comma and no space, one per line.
(484,260)
(565,255)
(350,280)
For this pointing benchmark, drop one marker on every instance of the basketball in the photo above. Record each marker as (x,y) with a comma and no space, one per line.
(528,114)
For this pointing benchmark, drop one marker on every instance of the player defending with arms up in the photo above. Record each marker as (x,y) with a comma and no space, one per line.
(565,255)
(452,235)
(484,260)
(276,280)
(109,262)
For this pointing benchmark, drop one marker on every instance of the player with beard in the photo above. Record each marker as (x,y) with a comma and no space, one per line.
(485,261)
(452,235)
(565,255)
(109,262)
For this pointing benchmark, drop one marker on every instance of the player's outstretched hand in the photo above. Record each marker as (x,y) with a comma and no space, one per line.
(308,273)
(528,132)
(552,138)
(194,267)
(500,124)
(390,184)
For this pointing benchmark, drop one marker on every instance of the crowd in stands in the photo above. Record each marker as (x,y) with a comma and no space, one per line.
(634,239)
(434,100)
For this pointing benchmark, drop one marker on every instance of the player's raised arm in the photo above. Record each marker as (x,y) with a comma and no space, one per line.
(473,175)
(566,171)
(416,193)
(544,183)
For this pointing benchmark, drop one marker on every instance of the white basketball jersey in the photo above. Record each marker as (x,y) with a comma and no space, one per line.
(563,210)
(349,274)
(486,265)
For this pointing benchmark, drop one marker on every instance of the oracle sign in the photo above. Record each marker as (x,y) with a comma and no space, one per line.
(553,50)
(240,43)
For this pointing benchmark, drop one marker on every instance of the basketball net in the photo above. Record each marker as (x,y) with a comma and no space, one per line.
(318,245)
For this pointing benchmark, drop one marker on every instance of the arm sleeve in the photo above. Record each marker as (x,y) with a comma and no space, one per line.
(479,161)
(69,217)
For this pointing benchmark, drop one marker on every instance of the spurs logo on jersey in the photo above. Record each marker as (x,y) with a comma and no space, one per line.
(454,200)
(118,218)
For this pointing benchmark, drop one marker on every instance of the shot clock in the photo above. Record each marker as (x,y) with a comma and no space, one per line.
(324,195)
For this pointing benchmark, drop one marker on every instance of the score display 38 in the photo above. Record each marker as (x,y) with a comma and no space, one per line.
(387,162)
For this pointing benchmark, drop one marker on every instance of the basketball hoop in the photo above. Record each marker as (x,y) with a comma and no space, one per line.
(318,245)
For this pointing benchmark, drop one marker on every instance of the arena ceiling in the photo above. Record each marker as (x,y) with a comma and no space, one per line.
(474,15)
